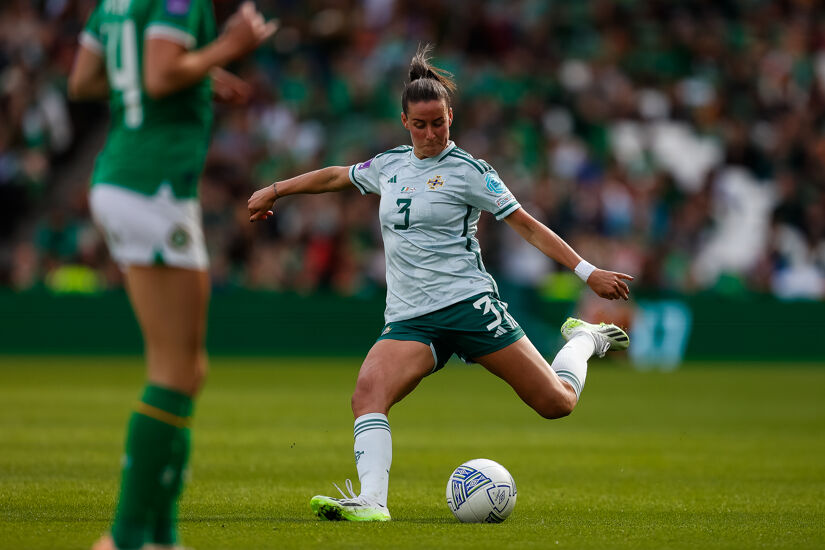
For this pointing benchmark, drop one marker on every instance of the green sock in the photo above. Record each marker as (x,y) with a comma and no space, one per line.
(157,451)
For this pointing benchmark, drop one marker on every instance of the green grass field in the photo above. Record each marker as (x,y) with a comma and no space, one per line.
(711,456)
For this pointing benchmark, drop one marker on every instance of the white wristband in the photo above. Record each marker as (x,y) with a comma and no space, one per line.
(584,269)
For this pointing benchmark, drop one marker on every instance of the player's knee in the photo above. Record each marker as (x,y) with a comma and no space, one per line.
(367,397)
(557,406)
(201,368)
(360,397)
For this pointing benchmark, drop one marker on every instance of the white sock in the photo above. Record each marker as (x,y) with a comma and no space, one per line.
(373,455)
(570,363)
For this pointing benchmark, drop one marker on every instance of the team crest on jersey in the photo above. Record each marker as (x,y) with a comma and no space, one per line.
(494,185)
(435,183)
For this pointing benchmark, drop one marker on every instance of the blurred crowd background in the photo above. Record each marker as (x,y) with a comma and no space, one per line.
(679,141)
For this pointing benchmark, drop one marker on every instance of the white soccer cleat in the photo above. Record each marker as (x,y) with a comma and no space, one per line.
(352,508)
(606,336)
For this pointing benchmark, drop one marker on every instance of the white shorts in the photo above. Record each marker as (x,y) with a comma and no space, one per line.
(149,230)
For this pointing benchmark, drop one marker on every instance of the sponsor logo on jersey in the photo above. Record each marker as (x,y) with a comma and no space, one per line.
(504,200)
(435,183)
(408,189)
(494,185)
(358,456)
(364,165)
(177,7)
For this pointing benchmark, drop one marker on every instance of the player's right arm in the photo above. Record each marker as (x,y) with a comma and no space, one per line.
(88,77)
(325,180)
(170,67)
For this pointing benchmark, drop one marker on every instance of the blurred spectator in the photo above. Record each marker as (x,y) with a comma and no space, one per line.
(683,142)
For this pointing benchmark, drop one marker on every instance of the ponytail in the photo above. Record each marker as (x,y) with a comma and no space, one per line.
(427,83)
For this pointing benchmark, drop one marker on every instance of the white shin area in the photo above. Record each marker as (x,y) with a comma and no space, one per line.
(570,363)
(373,455)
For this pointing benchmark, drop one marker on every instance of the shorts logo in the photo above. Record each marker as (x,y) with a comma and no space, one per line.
(364,165)
(494,185)
(387,330)
(179,238)
(435,183)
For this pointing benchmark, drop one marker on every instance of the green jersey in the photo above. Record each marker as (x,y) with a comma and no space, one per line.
(151,142)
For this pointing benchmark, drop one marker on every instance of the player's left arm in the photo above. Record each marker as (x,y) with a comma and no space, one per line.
(87,79)
(607,284)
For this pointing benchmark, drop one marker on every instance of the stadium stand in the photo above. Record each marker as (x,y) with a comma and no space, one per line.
(682,142)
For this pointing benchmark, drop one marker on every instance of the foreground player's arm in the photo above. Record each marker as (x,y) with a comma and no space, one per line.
(607,284)
(170,67)
(88,77)
(325,180)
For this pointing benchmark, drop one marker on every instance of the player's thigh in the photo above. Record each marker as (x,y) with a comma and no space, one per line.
(170,304)
(391,370)
(522,366)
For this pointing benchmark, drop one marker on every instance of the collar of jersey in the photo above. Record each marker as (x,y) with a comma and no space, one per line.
(430,161)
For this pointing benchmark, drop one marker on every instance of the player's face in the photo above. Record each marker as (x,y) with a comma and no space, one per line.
(429,125)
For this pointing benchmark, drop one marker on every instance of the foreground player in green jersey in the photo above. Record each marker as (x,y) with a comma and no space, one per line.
(440,299)
(157,61)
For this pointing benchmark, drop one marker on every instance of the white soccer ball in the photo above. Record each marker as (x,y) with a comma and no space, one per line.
(481,491)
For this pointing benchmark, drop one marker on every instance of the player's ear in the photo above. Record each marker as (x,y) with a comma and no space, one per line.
(450,115)
(404,120)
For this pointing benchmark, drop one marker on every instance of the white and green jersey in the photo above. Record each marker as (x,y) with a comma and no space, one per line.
(151,142)
(429,215)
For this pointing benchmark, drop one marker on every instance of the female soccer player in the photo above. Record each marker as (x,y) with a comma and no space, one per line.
(440,299)
(153,59)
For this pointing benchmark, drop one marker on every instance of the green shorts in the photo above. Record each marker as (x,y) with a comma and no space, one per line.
(469,328)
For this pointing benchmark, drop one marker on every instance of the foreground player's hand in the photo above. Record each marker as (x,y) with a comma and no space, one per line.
(228,88)
(261,202)
(247,29)
(609,284)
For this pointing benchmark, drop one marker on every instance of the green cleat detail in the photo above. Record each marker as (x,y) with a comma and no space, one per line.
(348,509)
(606,336)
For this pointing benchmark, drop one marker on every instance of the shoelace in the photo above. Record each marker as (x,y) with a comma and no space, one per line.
(348,485)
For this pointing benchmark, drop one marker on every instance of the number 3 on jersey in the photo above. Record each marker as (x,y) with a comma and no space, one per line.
(122,68)
(405,209)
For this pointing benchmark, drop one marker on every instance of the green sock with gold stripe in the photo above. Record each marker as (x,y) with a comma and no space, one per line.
(157,451)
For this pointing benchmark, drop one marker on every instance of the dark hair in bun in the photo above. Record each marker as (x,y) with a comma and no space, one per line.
(426,83)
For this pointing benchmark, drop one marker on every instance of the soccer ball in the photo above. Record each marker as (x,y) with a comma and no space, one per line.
(481,491)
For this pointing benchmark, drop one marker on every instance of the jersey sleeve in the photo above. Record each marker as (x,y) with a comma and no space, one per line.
(90,36)
(175,20)
(486,191)
(366,176)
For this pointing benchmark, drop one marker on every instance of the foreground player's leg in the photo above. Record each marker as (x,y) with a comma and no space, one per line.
(170,305)
(391,370)
(157,448)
